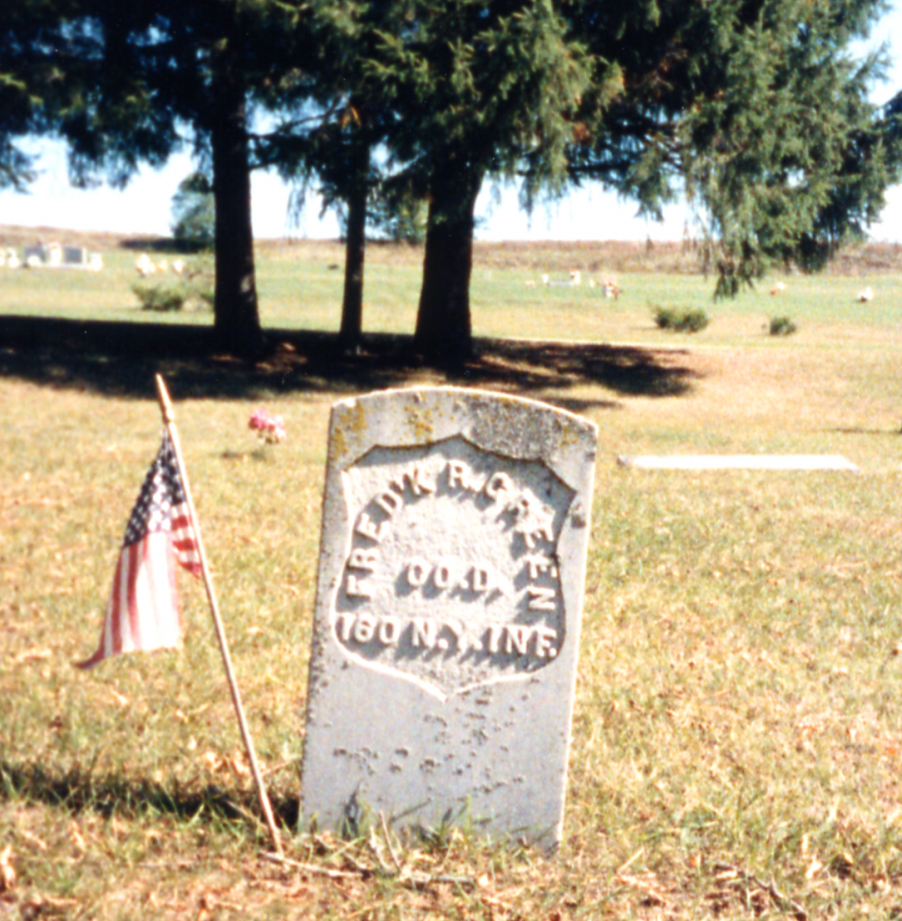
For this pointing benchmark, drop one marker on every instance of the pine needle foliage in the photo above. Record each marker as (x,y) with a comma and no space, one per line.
(757,111)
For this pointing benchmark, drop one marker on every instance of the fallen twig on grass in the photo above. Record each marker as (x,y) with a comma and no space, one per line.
(782,901)
(310,867)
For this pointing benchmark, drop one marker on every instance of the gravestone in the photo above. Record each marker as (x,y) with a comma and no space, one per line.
(449,596)
(737,462)
(36,255)
(75,256)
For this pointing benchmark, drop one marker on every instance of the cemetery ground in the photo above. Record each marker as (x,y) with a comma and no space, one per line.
(737,735)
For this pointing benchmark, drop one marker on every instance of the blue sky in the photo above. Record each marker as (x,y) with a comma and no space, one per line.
(588,214)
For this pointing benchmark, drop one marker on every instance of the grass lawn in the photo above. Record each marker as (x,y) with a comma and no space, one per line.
(737,738)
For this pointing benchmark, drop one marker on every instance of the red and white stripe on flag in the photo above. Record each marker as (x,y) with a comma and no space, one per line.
(183,542)
(143,613)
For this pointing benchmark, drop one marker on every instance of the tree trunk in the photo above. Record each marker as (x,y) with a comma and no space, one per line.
(355,251)
(236,316)
(443,334)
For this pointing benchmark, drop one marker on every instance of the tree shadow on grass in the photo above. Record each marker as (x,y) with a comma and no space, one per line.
(121,359)
(80,789)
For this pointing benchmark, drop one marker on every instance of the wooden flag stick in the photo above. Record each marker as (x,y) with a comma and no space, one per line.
(169,420)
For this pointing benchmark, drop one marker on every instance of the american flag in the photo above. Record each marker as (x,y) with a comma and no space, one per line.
(142,613)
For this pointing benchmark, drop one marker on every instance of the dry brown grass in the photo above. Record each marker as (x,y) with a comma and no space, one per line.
(737,739)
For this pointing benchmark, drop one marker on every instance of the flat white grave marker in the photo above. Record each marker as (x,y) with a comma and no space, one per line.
(737,462)
(455,528)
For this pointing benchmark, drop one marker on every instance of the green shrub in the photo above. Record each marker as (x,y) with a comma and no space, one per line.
(193,285)
(680,320)
(161,297)
(782,326)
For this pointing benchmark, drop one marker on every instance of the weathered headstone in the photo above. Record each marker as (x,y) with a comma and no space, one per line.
(455,528)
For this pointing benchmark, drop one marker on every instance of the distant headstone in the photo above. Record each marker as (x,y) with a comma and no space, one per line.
(454,536)
(50,254)
(75,256)
(36,255)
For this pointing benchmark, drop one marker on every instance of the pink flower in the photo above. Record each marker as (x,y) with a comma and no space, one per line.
(270,428)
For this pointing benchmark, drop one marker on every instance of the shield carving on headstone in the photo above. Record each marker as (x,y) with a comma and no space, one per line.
(451,575)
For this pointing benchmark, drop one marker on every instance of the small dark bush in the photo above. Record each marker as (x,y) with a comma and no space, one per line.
(192,286)
(160,297)
(782,326)
(680,320)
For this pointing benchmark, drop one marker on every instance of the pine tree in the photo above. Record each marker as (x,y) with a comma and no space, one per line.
(161,73)
(755,110)
(478,90)
(334,122)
